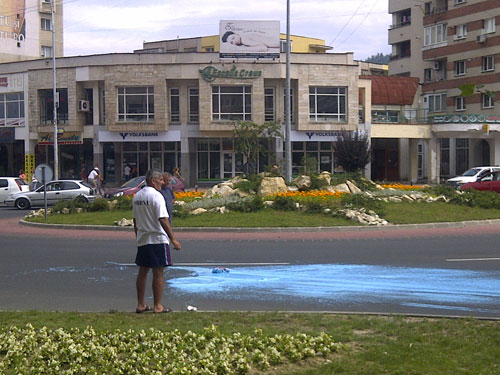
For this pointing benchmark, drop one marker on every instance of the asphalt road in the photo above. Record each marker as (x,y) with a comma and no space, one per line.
(430,271)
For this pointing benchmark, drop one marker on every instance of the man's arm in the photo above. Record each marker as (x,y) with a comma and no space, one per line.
(135,228)
(166,227)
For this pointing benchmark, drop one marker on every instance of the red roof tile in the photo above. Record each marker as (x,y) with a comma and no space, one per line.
(392,90)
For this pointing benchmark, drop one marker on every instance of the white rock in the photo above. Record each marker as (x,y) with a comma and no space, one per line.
(198,211)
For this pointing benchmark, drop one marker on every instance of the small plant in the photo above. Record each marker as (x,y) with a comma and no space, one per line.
(314,206)
(284,203)
(123,203)
(360,201)
(438,190)
(252,183)
(100,204)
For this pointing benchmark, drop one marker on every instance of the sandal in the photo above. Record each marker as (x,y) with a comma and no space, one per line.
(146,309)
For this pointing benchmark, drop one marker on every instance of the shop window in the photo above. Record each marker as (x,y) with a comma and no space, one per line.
(327,104)
(232,103)
(462,155)
(269,104)
(136,104)
(47,106)
(194,105)
(208,159)
(12,109)
(175,112)
(321,152)
(445,157)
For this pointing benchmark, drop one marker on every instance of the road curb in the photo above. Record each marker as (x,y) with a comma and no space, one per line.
(459,224)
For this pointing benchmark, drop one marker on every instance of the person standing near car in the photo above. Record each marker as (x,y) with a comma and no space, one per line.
(154,237)
(168,195)
(95,180)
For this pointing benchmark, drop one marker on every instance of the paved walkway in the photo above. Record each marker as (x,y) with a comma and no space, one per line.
(12,226)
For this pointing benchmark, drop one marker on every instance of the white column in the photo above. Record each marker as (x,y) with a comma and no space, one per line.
(413,161)
(433,155)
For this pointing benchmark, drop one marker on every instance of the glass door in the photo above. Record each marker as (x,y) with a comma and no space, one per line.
(228,165)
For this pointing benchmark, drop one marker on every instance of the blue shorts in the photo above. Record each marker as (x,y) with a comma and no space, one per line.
(153,255)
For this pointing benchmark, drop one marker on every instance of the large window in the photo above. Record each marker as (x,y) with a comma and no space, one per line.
(327,104)
(269,105)
(436,102)
(194,106)
(136,104)
(175,111)
(232,103)
(322,152)
(47,106)
(12,109)
(385,116)
(434,34)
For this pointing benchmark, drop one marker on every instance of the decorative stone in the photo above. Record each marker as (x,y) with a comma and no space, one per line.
(352,187)
(124,223)
(342,188)
(303,182)
(326,177)
(272,185)
(198,211)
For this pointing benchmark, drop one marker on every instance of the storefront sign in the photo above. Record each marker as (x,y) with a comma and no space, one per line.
(211,73)
(11,83)
(315,136)
(170,136)
(466,119)
(7,135)
(67,138)
(4,82)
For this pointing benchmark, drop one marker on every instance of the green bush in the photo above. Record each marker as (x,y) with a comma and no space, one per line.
(252,183)
(476,198)
(100,204)
(284,203)
(357,177)
(71,205)
(313,206)
(252,204)
(124,203)
(179,211)
(317,183)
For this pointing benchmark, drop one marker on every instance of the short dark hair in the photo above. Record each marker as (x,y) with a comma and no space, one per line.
(152,173)
(226,35)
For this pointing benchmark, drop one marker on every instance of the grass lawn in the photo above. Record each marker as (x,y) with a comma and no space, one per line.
(394,213)
(372,344)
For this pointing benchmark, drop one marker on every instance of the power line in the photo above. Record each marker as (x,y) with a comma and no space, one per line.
(348,21)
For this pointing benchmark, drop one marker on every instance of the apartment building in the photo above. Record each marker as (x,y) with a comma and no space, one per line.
(26,29)
(451,43)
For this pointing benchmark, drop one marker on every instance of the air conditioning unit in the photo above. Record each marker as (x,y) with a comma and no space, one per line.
(437,65)
(481,38)
(83,105)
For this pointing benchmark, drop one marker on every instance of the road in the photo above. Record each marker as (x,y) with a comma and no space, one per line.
(431,271)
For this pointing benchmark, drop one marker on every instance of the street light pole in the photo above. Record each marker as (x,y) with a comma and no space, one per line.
(288,115)
(54,94)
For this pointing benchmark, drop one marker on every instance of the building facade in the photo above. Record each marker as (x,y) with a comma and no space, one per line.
(26,29)
(452,43)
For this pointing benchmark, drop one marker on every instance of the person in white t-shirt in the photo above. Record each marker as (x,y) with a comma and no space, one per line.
(154,236)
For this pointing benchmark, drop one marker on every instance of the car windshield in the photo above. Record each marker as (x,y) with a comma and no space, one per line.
(472,172)
(86,184)
(133,182)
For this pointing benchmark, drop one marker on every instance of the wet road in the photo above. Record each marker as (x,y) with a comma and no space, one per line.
(442,271)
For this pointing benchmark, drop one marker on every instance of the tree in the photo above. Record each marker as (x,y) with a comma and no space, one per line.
(247,136)
(379,58)
(352,150)
(469,89)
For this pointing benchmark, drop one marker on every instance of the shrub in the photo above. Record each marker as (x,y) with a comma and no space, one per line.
(317,183)
(124,203)
(284,203)
(100,204)
(71,205)
(179,211)
(438,190)
(252,204)
(476,198)
(313,206)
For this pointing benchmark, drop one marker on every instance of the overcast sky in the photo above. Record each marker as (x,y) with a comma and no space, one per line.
(107,26)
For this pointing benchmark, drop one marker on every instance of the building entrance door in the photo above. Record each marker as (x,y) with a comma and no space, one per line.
(228,165)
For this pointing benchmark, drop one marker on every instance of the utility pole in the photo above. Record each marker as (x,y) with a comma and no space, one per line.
(54,93)
(288,125)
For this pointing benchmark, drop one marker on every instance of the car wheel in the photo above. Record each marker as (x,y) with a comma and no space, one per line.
(81,199)
(22,204)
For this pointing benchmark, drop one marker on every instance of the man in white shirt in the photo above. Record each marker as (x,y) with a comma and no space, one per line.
(154,235)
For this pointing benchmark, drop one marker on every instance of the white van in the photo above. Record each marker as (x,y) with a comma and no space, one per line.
(470,176)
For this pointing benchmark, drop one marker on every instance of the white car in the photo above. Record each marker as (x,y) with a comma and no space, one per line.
(472,175)
(9,185)
(56,190)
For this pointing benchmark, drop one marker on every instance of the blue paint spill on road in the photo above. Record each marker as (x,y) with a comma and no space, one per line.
(426,288)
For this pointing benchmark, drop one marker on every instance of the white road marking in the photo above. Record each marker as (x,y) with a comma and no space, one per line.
(207,264)
(472,260)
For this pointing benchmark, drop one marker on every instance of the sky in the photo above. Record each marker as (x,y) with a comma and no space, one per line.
(110,26)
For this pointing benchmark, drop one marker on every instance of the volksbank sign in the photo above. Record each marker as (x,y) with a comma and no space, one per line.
(315,136)
(170,136)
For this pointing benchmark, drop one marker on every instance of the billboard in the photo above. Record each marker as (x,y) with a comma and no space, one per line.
(249,39)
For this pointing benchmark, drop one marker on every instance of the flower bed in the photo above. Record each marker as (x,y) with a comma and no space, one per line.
(45,351)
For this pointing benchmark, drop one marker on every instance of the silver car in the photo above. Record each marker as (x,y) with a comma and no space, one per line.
(56,191)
